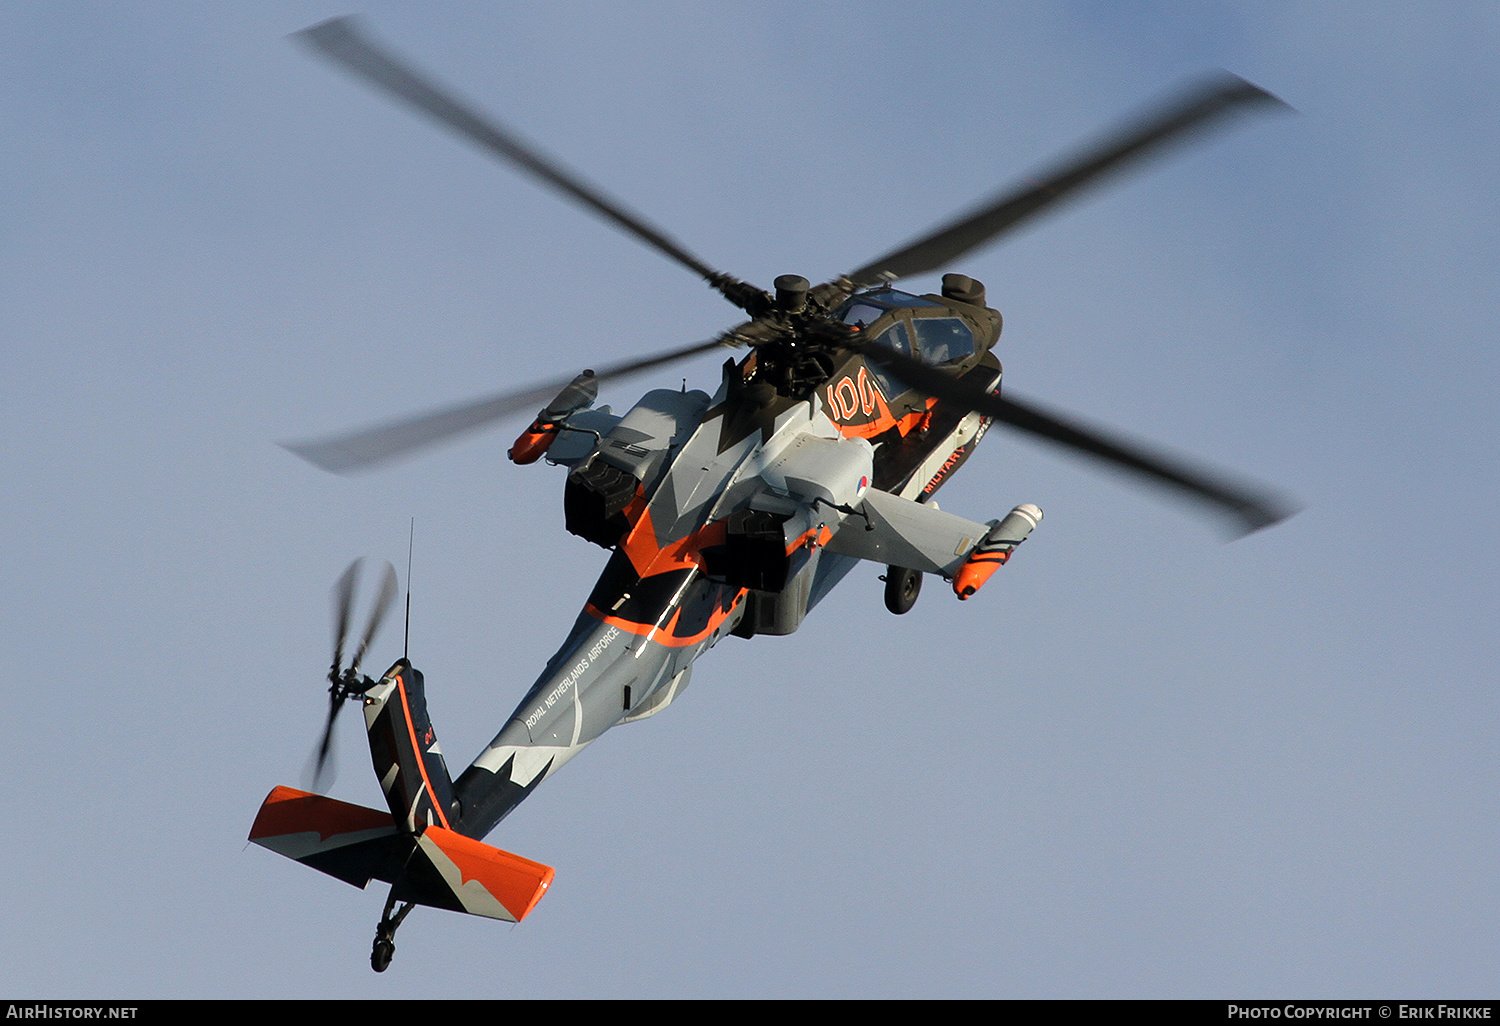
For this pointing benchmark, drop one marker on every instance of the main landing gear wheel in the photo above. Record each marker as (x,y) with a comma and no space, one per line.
(902,587)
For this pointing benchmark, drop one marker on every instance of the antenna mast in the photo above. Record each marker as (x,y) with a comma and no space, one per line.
(406,642)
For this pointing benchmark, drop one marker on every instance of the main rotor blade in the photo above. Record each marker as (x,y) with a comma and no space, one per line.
(1248,509)
(360,450)
(342,41)
(1171,123)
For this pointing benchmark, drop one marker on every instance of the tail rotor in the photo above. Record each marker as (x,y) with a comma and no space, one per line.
(347,682)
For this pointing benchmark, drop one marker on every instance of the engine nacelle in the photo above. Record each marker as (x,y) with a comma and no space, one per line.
(772,548)
(594,501)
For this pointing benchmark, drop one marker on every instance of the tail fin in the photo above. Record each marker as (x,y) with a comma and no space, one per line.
(403,746)
(449,870)
(347,841)
(440,868)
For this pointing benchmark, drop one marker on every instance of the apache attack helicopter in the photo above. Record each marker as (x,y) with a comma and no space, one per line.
(731,513)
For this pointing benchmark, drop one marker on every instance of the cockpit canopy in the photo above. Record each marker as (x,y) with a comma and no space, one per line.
(866,308)
(895,316)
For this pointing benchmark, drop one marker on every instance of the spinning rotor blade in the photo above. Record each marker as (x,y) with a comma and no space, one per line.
(343,599)
(1248,510)
(320,773)
(1174,122)
(339,679)
(388,589)
(344,454)
(342,41)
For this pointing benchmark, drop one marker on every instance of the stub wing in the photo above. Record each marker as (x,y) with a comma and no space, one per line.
(888,529)
(899,532)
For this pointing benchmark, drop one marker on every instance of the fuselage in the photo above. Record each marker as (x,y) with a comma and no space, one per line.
(719,512)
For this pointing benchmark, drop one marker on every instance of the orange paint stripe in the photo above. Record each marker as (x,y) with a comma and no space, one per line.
(421,762)
(812,537)
(651,558)
(663,635)
(905,425)
(289,811)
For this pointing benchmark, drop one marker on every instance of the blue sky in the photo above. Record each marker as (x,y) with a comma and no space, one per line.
(1141,763)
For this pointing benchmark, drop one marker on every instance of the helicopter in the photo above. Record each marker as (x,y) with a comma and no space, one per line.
(733,512)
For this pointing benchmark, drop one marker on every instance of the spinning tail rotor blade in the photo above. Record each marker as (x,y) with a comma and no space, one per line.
(342,41)
(1174,122)
(343,599)
(343,454)
(1248,509)
(388,589)
(341,682)
(320,773)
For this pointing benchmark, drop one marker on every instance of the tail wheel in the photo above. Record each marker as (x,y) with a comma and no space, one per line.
(902,587)
(385,933)
(380,956)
